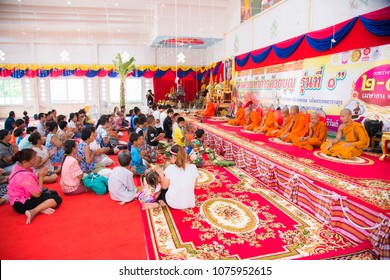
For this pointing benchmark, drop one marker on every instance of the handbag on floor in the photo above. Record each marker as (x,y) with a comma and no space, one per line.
(96,182)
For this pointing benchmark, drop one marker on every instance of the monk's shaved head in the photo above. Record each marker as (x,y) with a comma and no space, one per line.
(346,111)
(239,103)
(345,116)
(294,109)
(315,114)
(285,110)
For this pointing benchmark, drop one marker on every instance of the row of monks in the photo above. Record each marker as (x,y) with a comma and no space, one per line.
(302,131)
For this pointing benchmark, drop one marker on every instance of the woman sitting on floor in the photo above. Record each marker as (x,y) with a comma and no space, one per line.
(71,173)
(53,142)
(87,164)
(43,158)
(25,191)
(177,182)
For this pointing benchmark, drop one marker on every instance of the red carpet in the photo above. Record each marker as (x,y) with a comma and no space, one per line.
(235,220)
(84,227)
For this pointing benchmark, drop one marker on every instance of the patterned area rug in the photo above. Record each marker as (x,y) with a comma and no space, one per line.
(366,180)
(352,161)
(235,217)
(280,142)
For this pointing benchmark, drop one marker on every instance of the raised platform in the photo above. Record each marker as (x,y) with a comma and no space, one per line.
(352,197)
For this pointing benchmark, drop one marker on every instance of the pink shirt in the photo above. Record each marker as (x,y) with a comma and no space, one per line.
(118,122)
(69,175)
(23,182)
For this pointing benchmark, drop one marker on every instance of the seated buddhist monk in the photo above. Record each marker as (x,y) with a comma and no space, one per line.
(240,116)
(269,122)
(286,126)
(254,119)
(356,138)
(209,110)
(300,127)
(317,134)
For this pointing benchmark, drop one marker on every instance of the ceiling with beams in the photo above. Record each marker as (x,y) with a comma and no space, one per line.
(154,23)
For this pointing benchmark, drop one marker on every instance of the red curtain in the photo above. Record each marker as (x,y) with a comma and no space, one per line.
(163,85)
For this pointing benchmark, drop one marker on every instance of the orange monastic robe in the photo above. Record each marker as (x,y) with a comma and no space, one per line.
(255,120)
(354,133)
(269,123)
(300,127)
(283,129)
(240,118)
(318,136)
(209,111)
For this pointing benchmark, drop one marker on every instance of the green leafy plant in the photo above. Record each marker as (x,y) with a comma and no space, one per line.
(123,69)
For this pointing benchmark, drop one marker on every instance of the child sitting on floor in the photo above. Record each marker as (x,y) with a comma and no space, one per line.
(136,142)
(121,184)
(153,138)
(151,188)
(101,158)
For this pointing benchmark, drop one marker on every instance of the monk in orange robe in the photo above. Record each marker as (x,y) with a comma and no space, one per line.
(356,138)
(286,126)
(300,127)
(254,119)
(240,116)
(209,110)
(317,134)
(269,122)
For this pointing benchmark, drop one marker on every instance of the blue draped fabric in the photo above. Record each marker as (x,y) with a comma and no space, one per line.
(376,27)
(287,52)
(181,74)
(243,61)
(160,73)
(138,73)
(216,68)
(92,73)
(42,73)
(112,74)
(261,56)
(68,72)
(325,44)
(199,76)
(17,73)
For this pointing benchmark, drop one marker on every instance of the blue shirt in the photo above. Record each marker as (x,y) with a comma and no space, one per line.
(136,160)
(8,124)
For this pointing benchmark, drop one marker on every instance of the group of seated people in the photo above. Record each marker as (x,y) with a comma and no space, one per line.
(301,130)
(55,149)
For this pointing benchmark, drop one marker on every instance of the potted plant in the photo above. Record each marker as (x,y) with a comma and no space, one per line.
(123,69)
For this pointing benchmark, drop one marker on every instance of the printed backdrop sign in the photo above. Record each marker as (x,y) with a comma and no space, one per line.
(357,79)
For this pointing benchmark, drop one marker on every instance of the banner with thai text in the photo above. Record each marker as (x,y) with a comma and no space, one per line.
(358,80)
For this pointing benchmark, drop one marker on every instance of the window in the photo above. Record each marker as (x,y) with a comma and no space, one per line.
(11,91)
(133,90)
(67,90)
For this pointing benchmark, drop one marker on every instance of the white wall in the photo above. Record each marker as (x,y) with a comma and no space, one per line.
(292,18)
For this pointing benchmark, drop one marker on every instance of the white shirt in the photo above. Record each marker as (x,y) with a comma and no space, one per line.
(156,114)
(121,184)
(175,124)
(24,144)
(180,194)
(163,116)
(101,133)
(41,129)
(43,154)
(71,124)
